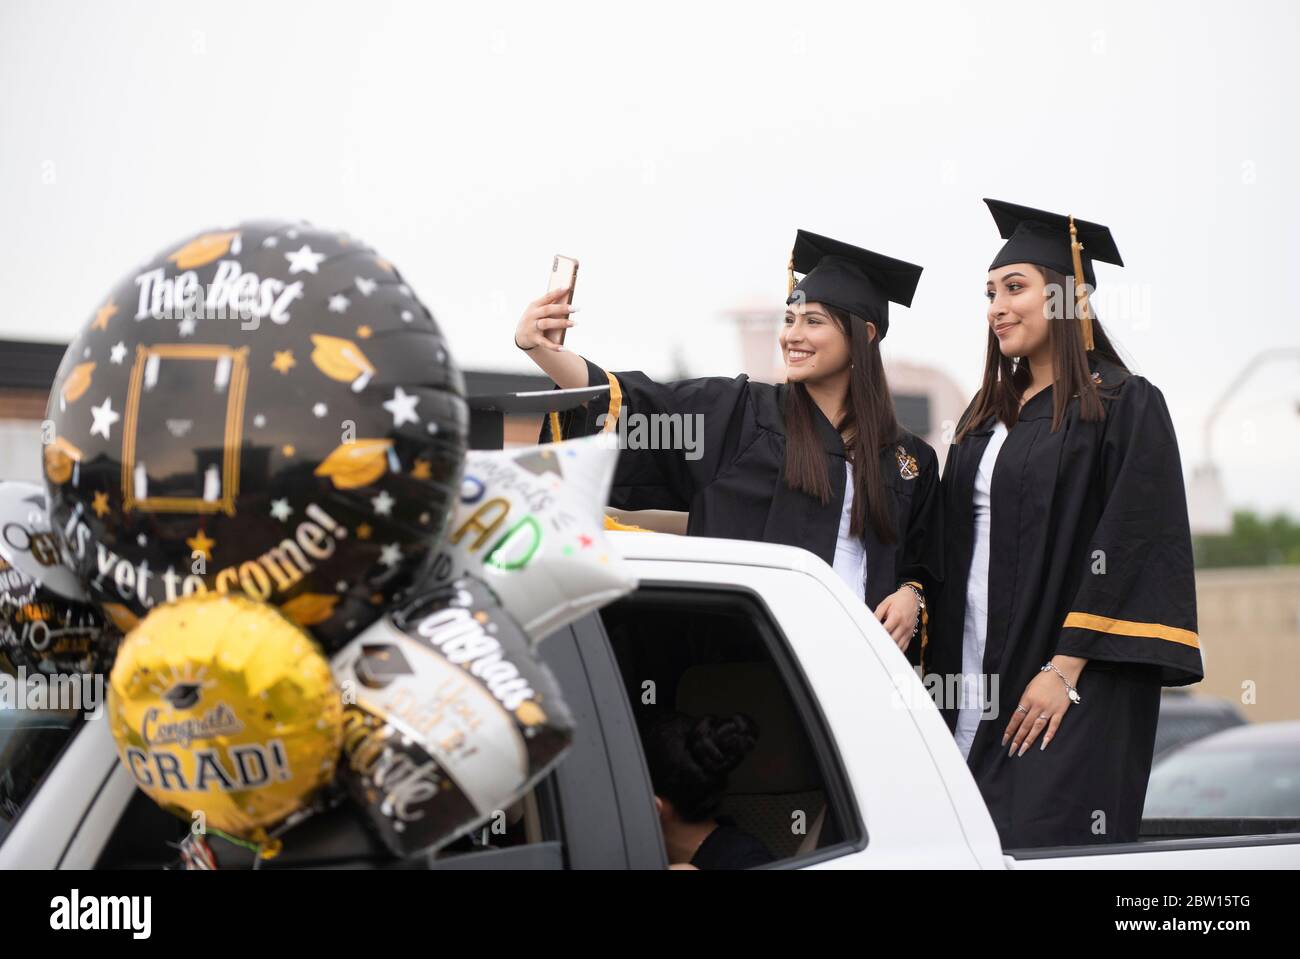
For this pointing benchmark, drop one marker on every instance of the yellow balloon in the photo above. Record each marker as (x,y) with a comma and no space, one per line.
(222,707)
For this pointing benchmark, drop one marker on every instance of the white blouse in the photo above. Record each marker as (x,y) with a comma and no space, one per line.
(850,553)
(975,629)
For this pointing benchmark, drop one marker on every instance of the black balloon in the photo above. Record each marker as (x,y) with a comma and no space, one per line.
(266,409)
(448,718)
(47,623)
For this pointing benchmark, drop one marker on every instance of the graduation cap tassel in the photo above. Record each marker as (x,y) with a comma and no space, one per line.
(1080,287)
(789,284)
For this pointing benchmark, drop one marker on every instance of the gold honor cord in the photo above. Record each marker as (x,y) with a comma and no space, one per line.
(615,401)
(1080,287)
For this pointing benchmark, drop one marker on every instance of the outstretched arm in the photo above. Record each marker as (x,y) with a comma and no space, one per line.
(566,368)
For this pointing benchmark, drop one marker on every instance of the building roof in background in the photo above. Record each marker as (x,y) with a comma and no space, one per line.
(28,365)
(31,365)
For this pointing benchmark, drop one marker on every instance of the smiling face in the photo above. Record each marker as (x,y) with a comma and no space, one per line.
(1018,300)
(813,344)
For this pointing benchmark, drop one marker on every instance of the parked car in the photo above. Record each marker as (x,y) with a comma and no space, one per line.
(854,767)
(1186,716)
(1248,774)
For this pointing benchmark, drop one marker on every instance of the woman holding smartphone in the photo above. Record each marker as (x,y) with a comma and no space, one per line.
(1070,597)
(819,461)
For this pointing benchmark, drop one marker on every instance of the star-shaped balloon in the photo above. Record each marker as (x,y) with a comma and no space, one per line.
(530,523)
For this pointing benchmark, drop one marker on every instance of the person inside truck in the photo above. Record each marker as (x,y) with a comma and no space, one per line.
(1070,579)
(690,760)
(819,461)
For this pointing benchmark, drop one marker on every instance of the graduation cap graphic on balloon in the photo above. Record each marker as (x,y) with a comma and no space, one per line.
(183,695)
(381,663)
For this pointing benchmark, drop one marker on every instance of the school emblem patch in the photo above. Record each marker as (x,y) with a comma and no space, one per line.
(907,467)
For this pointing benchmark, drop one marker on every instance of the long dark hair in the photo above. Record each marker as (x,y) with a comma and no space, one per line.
(869,420)
(1006,379)
(691,759)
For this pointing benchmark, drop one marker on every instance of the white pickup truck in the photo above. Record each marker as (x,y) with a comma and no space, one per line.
(853,769)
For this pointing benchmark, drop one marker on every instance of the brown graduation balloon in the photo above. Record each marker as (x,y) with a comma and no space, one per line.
(48,625)
(449,717)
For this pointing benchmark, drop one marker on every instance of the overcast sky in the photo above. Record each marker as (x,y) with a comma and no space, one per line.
(675,149)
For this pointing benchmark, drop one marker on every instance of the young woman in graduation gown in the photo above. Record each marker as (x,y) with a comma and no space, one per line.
(785,463)
(1070,597)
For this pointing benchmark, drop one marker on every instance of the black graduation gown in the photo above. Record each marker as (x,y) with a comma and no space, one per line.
(1090,555)
(736,488)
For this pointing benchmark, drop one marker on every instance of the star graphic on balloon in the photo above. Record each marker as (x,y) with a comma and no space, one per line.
(402,406)
(280,509)
(259,421)
(366,286)
(100,506)
(186,326)
(103,315)
(407,316)
(390,555)
(339,303)
(283,361)
(383,504)
(304,260)
(118,353)
(271,241)
(364,331)
(104,418)
(201,544)
(422,470)
(319,410)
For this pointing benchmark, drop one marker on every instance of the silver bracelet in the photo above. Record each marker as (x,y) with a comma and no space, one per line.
(1070,690)
(920,607)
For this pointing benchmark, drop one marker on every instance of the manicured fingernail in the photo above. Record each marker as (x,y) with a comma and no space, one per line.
(1012,752)
(1042,746)
(1004,740)
(1023,749)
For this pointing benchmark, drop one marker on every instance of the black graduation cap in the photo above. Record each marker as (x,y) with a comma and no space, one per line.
(851,278)
(1042,238)
(487,412)
(183,695)
(380,664)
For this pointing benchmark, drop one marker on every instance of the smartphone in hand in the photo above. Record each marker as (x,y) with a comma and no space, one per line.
(564,273)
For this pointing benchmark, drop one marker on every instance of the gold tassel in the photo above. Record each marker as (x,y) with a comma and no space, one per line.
(612,523)
(1080,287)
(789,285)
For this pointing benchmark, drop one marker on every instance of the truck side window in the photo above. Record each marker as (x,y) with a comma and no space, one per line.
(718,651)
(30,742)
(146,837)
